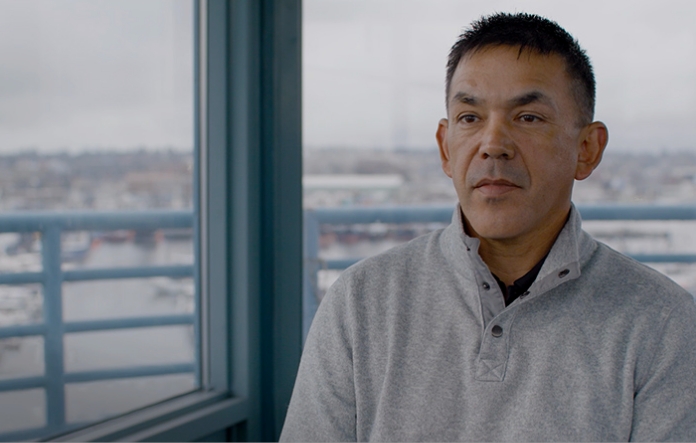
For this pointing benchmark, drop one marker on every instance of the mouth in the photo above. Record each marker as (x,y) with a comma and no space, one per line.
(495,187)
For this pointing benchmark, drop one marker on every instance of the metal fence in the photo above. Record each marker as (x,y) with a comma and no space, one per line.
(52,276)
(314,218)
(53,328)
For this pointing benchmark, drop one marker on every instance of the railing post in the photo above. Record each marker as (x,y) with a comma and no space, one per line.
(310,300)
(53,318)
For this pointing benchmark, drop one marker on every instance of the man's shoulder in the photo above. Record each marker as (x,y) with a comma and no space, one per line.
(637,280)
(416,253)
(406,271)
(369,290)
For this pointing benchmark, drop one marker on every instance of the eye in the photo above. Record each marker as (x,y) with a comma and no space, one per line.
(468,118)
(530,118)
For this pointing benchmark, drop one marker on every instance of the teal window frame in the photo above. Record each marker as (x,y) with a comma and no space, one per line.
(249,228)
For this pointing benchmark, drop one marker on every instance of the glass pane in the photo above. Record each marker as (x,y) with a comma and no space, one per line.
(373,177)
(23,409)
(20,252)
(85,401)
(20,305)
(127,248)
(103,299)
(126,348)
(373,93)
(97,165)
(20,357)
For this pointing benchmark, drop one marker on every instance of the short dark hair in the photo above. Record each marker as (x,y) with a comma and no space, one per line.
(532,33)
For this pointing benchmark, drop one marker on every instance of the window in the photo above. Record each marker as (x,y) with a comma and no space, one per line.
(98,138)
(241,197)
(374,91)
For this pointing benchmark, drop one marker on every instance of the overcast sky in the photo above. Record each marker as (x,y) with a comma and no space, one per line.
(94,74)
(374,69)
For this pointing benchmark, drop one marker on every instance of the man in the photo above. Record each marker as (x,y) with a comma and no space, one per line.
(512,323)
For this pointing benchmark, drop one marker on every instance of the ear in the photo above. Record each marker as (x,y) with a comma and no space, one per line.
(441,136)
(594,139)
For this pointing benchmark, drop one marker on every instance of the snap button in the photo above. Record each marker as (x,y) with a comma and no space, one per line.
(496,331)
(563,273)
(486,286)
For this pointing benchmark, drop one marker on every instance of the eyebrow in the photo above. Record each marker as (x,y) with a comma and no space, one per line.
(524,99)
(531,97)
(467,99)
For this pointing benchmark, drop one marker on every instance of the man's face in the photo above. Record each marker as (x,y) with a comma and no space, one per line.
(511,142)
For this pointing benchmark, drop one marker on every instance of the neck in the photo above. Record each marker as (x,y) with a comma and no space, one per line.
(510,259)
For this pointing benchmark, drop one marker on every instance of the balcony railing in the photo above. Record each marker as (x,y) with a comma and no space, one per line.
(52,276)
(314,218)
(53,328)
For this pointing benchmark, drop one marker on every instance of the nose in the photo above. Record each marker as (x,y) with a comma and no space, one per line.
(496,142)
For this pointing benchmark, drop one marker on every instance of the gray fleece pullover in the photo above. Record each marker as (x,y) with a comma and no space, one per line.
(416,344)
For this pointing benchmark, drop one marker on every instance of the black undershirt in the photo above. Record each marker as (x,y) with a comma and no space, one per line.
(520,286)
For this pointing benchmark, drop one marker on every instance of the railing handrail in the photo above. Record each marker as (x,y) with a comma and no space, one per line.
(51,224)
(52,275)
(314,217)
(28,221)
(443,213)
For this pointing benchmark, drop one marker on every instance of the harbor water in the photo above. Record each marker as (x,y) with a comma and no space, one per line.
(86,351)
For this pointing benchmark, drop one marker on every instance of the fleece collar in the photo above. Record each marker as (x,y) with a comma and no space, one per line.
(572,249)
